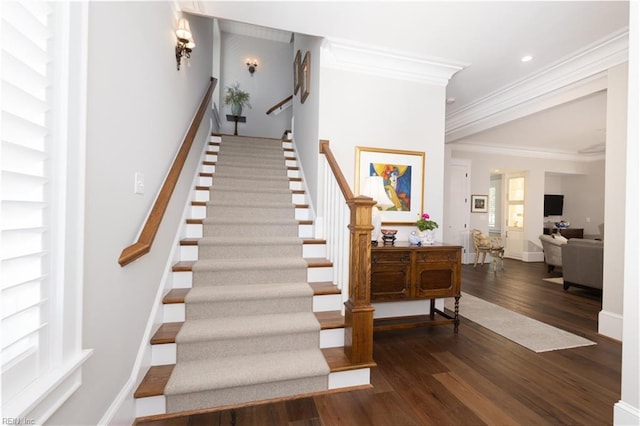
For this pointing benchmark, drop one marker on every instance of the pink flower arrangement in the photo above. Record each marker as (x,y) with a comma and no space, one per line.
(425,222)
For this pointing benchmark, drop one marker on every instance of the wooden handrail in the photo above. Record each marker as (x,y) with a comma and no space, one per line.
(335,168)
(358,317)
(150,228)
(279,104)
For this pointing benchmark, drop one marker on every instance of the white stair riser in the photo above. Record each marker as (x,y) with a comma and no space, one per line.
(175,312)
(208,168)
(183,279)
(151,406)
(305,231)
(303,213)
(333,338)
(327,302)
(345,379)
(202,195)
(166,353)
(314,250)
(156,405)
(193,231)
(190,253)
(315,275)
(200,212)
(205,181)
(293,173)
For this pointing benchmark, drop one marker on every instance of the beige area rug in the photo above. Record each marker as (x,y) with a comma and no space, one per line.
(557,280)
(534,335)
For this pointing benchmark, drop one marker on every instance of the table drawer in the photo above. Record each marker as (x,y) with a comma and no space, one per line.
(391,257)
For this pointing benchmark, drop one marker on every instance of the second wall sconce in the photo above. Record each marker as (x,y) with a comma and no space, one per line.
(252,64)
(185,43)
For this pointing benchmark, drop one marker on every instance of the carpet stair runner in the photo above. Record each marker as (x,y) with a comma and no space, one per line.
(249,333)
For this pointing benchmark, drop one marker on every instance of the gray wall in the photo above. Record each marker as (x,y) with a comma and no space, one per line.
(139,109)
(271,83)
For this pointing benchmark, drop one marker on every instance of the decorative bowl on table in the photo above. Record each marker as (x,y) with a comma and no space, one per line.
(388,235)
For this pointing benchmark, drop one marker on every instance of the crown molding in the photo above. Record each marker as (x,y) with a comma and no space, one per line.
(506,104)
(356,57)
(524,152)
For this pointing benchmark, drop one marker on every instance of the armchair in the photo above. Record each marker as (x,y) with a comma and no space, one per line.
(552,249)
(485,244)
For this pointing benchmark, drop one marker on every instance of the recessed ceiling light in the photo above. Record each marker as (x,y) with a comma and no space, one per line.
(526,58)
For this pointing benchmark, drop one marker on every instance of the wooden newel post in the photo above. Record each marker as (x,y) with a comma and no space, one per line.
(358,337)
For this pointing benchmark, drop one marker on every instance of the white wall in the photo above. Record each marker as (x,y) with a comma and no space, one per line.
(610,320)
(305,129)
(139,109)
(359,109)
(627,410)
(271,83)
(584,199)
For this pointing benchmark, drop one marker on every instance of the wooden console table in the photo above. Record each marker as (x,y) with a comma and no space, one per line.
(409,272)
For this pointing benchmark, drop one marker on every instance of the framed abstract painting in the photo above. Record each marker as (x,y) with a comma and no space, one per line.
(394,178)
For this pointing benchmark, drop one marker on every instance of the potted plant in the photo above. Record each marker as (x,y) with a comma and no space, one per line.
(237,98)
(426,227)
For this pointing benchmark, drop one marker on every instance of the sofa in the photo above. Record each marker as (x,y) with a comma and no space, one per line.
(551,247)
(582,263)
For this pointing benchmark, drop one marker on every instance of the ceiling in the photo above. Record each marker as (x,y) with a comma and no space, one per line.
(489,37)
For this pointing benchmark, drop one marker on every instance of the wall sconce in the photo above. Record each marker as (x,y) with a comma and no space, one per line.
(185,43)
(252,64)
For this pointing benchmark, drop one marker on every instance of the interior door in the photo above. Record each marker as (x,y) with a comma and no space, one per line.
(458,212)
(514,209)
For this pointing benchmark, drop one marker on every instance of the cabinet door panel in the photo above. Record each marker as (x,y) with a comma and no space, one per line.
(390,282)
(435,279)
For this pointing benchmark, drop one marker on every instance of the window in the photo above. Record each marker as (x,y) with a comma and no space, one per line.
(40,336)
(515,202)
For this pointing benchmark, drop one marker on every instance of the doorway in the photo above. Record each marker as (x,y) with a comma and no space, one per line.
(514,210)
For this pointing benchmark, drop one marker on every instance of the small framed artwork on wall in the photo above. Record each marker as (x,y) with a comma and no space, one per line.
(305,76)
(479,203)
(297,79)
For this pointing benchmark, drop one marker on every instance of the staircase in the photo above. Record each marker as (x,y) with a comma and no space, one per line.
(253,314)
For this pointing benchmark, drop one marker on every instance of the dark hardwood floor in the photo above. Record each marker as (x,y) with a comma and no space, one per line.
(431,376)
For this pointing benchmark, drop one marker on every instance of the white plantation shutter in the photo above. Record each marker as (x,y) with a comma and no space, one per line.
(25,193)
(35,354)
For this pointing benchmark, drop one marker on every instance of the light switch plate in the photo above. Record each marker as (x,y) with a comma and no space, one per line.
(139,183)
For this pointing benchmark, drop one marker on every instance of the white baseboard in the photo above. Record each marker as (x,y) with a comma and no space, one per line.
(625,414)
(533,256)
(610,325)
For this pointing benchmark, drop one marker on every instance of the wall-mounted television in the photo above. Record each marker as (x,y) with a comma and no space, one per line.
(553,204)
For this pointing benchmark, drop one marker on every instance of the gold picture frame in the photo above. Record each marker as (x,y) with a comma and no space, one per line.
(402,175)
(297,78)
(305,74)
